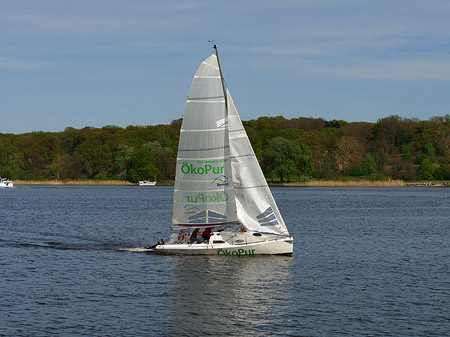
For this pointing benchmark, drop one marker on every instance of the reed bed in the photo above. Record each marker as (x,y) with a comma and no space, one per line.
(356,183)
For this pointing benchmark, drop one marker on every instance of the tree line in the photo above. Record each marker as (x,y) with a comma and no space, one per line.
(287,149)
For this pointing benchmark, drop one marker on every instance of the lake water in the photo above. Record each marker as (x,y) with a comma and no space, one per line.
(366,262)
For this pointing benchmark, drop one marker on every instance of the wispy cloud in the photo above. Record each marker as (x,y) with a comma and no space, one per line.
(398,70)
(51,25)
(16,64)
(117,48)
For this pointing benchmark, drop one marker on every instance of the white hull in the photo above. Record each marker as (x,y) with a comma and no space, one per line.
(280,247)
(147,183)
(233,243)
(6,184)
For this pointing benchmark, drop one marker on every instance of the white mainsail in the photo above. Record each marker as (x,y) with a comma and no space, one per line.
(218,178)
(203,193)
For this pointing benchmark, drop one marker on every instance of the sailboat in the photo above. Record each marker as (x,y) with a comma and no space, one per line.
(222,204)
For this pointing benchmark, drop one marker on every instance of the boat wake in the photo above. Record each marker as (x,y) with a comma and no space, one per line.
(136,249)
(75,246)
(60,246)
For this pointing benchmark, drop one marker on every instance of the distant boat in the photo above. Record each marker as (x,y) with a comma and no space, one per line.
(146,183)
(222,204)
(4,182)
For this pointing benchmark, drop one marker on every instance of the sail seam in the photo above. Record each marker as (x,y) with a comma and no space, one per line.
(244,155)
(235,138)
(203,130)
(194,98)
(203,158)
(194,191)
(248,187)
(205,76)
(209,149)
(216,224)
(200,101)
(201,181)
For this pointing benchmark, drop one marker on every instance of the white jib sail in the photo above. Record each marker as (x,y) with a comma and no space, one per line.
(203,193)
(256,208)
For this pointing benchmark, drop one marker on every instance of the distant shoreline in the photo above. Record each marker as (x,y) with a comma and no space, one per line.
(312,183)
(349,183)
(364,183)
(88,182)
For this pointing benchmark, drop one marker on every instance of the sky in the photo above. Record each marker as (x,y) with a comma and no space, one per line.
(108,62)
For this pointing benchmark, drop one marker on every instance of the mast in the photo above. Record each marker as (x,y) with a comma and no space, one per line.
(223,82)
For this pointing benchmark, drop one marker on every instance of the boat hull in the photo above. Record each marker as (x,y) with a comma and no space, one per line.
(146,183)
(273,247)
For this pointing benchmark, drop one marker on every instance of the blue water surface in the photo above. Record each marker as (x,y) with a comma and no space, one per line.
(366,262)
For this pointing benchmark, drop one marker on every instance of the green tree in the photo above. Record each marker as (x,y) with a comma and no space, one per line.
(277,158)
(348,153)
(404,170)
(165,162)
(283,158)
(141,165)
(72,166)
(407,152)
(419,158)
(124,151)
(368,166)
(11,162)
(426,169)
(303,159)
(428,149)
(443,172)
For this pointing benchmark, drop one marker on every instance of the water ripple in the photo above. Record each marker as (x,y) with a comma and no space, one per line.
(367,262)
